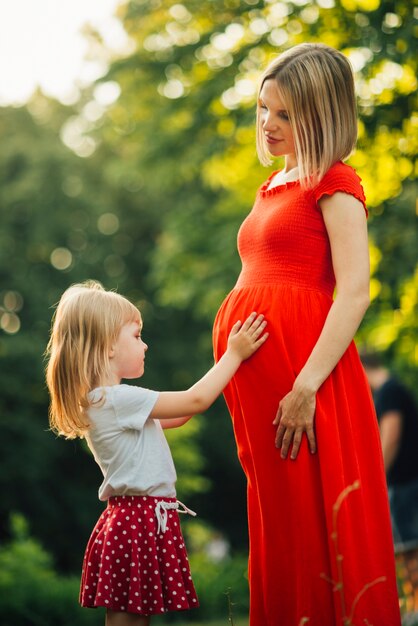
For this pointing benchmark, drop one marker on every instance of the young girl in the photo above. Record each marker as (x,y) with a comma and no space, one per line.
(321,548)
(135,563)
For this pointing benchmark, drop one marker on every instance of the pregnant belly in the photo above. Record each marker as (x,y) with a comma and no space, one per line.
(295,318)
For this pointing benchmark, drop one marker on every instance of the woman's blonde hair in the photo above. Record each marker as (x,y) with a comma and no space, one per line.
(316,85)
(86,323)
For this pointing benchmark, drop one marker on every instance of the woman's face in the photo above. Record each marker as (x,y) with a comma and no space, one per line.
(275,123)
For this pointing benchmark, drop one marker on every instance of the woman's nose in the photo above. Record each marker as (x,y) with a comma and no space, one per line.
(269,123)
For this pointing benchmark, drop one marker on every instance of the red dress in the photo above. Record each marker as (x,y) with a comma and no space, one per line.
(321,550)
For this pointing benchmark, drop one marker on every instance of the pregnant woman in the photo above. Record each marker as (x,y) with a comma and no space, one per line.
(321,548)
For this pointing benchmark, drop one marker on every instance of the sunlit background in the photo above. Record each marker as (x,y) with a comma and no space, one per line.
(42,45)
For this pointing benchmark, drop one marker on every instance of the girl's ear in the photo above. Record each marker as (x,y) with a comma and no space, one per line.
(111,351)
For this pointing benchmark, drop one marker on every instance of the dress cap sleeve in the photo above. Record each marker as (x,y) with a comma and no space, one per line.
(341,177)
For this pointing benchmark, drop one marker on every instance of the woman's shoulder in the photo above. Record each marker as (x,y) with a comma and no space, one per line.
(341,172)
(340,178)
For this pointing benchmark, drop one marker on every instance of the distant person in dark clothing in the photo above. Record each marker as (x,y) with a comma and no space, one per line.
(397,414)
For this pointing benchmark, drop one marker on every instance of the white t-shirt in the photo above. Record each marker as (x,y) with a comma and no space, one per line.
(130,448)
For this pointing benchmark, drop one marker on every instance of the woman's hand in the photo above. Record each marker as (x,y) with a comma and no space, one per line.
(244,339)
(294,417)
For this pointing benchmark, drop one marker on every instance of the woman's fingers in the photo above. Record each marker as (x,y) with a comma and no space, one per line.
(297,440)
(310,433)
(286,441)
(294,417)
(291,438)
(279,435)
(278,417)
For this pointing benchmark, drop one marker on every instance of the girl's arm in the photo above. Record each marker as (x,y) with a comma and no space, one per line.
(175,422)
(345,221)
(244,340)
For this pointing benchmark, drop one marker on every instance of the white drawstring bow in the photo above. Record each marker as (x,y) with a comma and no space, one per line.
(161,514)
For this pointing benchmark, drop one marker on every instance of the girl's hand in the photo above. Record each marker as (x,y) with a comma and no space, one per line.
(244,339)
(295,416)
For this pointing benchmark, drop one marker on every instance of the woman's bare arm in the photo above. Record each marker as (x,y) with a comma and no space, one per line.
(345,221)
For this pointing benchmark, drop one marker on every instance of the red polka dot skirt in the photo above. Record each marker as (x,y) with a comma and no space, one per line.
(136,560)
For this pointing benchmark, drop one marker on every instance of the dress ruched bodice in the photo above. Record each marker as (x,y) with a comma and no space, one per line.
(284,240)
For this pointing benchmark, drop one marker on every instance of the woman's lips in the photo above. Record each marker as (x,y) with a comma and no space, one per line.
(272,140)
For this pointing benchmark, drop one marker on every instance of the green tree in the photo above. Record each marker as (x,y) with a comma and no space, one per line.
(62,223)
(31,593)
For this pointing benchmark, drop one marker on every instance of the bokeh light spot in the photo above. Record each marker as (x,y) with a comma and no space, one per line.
(61,258)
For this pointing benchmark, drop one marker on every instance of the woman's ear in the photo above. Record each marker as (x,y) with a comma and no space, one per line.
(111,351)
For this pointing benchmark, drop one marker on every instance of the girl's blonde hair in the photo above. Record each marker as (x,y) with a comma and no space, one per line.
(86,323)
(316,85)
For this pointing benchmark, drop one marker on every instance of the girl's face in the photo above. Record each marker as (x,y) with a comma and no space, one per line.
(127,354)
(275,123)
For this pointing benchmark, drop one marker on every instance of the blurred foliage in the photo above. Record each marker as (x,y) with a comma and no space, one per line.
(143,184)
(60,225)
(31,594)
